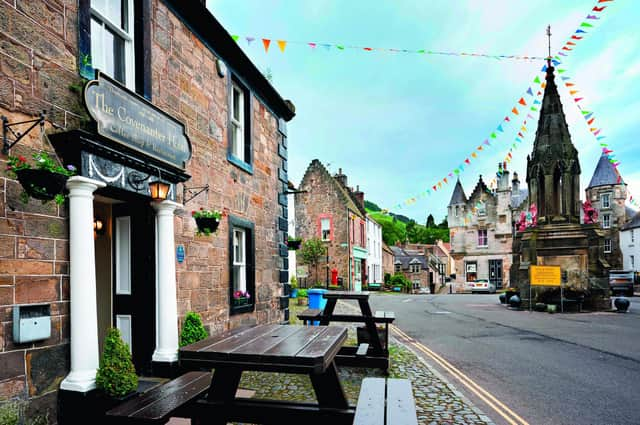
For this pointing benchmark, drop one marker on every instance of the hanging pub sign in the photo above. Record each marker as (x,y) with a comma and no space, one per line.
(134,122)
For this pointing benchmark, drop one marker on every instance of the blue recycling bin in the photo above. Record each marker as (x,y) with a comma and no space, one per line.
(316,301)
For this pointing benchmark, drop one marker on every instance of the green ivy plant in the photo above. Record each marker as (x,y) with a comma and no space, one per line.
(116,374)
(192,330)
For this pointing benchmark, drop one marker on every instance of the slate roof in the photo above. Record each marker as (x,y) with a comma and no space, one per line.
(517,198)
(605,173)
(408,256)
(458,196)
(634,223)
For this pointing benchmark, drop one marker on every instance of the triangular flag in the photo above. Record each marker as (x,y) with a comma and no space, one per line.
(586,112)
(520,134)
(563,54)
(522,102)
(570,43)
(543,85)
(434,187)
(456,171)
(474,155)
(536,80)
(439,184)
(530,116)
(544,69)
(580,31)
(572,92)
(368,49)
(312,45)
(249,40)
(282,44)
(523,128)
(467,161)
(556,62)
(578,99)
(569,84)
(445,180)
(450,174)
(514,110)
(536,102)
(539,93)
(575,37)
(235,38)
(586,117)
(493,135)
(600,138)
(326,46)
(507,119)
(595,133)
(592,17)
(529,91)
(500,128)
(266,42)
(560,71)
(519,140)
(533,108)
(592,129)
(586,25)
(479,148)
(564,78)
(486,142)
(590,121)
(566,48)
(339,47)
(598,9)
(420,51)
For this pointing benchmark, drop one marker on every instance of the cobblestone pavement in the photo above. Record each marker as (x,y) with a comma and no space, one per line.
(437,401)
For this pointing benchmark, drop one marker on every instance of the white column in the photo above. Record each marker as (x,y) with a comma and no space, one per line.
(82,275)
(166,298)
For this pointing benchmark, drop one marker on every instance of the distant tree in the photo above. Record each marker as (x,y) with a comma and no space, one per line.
(311,251)
(444,224)
(431,221)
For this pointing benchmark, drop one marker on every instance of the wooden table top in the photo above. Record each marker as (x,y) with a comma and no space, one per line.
(347,295)
(268,347)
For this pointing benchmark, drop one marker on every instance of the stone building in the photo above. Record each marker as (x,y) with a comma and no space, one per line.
(176,103)
(432,262)
(387,260)
(481,229)
(607,193)
(558,238)
(629,244)
(374,251)
(328,209)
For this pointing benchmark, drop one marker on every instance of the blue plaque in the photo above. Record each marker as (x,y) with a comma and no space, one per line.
(180,253)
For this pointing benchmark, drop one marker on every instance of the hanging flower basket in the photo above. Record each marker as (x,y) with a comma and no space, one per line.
(294,244)
(44,182)
(41,184)
(207,220)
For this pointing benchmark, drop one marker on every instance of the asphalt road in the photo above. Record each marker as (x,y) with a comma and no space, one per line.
(548,368)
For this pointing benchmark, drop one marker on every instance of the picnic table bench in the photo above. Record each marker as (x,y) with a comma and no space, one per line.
(385,402)
(377,351)
(159,404)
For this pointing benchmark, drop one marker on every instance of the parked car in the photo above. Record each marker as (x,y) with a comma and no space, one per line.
(621,282)
(483,285)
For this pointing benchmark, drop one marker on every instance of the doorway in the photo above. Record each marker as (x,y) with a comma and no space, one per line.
(125,276)
(495,273)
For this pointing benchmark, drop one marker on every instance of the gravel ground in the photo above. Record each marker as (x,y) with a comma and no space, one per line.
(437,401)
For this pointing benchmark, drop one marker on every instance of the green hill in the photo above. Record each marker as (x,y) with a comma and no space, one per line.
(395,228)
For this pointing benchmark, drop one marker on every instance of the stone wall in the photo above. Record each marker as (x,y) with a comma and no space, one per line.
(617,212)
(185,84)
(38,71)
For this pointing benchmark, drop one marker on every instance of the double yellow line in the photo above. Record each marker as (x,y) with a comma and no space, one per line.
(509,415)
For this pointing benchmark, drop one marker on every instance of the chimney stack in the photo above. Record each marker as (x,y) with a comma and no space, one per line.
(342,178)
(359,196)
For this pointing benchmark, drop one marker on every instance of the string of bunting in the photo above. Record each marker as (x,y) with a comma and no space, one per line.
(314,46)
(534,106)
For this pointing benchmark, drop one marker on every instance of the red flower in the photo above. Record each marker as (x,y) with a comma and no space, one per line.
(193,213)
(22,158)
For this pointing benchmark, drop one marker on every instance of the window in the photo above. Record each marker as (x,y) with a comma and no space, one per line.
(633,237)
(606,221)
(605,200)
(471,269)
(482,237)
(239,126)
(242,260)
(397,267)
(361,234)
(456,212)
(325,229)
(632,261)
(112,46)
(414,268)
(607,246)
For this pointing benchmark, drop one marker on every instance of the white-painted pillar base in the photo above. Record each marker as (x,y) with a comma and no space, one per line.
(82,276)
(166,297)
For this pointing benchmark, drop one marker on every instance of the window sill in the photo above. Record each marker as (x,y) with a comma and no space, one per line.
(482,246)
(239,163)
(239,309)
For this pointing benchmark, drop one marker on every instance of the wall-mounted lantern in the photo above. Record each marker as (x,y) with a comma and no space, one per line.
(159,190)
(98,226)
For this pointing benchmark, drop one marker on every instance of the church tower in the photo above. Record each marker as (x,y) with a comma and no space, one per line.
(553,169)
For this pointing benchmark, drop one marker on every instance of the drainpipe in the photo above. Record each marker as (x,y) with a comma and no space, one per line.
(349,249)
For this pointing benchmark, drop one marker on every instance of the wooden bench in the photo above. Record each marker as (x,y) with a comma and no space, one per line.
(310,314)
(385,402)
(159,404)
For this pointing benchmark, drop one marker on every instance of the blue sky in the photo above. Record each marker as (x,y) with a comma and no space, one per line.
(397,123)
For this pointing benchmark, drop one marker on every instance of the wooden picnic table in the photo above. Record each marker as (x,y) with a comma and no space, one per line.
(269,348)
(376,354)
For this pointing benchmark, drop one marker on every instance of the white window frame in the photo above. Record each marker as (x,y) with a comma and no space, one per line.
(607,250)
(606,196)
(415,268)
(237,123)
(633,262)
(397,267)
(486,238)
(127,36)
(606,221)
(327,229)
(239,259)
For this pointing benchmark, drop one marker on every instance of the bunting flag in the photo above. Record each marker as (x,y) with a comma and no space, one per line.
(249,40)
(529,91)
(282,44)
(522,102)
(266,43)
(514,110)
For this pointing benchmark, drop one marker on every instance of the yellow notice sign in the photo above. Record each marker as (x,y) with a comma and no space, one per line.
(544,275)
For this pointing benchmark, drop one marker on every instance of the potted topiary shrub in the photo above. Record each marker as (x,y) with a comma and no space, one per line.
(116,375)
(192,329)
(294,287)
(303,297)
